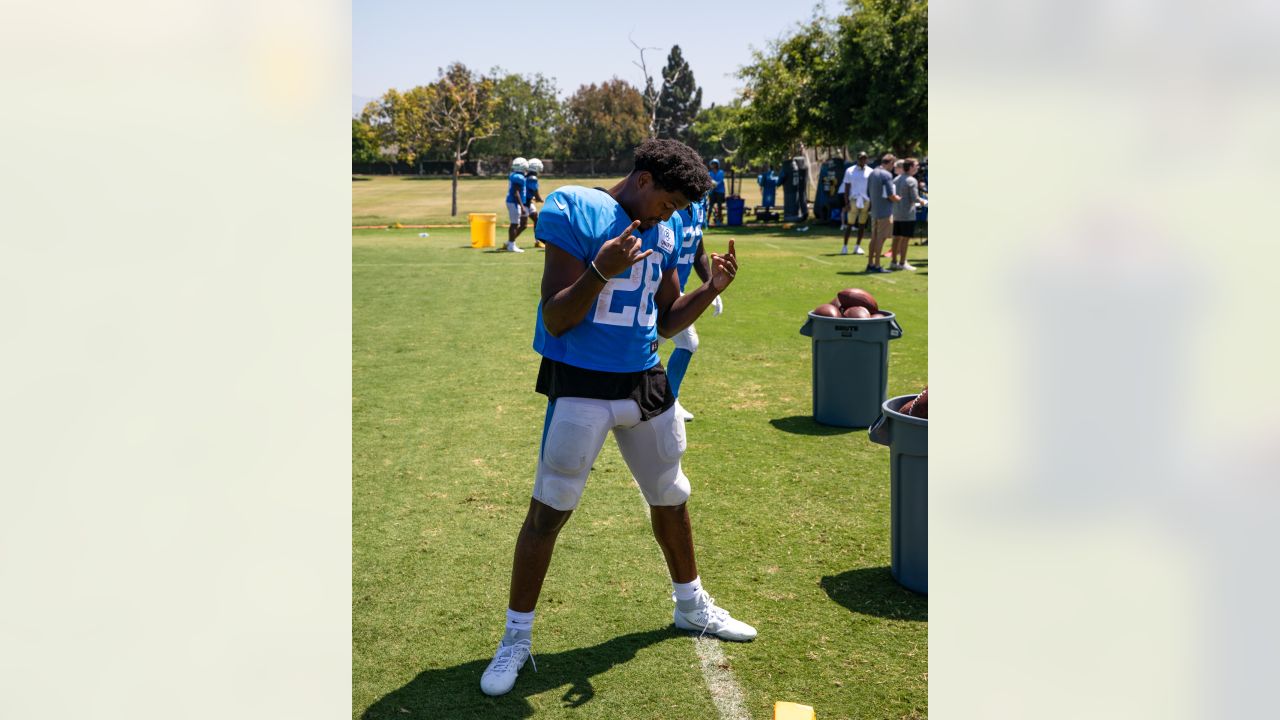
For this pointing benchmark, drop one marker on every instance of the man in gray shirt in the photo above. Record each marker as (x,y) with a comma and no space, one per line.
(880,190)
(904,213)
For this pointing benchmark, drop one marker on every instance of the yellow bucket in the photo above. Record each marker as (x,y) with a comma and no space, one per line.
(482,229)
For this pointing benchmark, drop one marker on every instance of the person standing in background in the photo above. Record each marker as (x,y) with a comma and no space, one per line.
(717,191)
(882,198)
(531,195)
(904,213)
(853,188)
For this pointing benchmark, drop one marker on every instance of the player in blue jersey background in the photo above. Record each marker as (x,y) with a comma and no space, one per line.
(610,288)
(532,197)
(692,257)
(517,204)
(717,193)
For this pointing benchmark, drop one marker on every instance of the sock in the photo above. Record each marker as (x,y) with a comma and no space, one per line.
(687,594)
(519,626)
(676,368)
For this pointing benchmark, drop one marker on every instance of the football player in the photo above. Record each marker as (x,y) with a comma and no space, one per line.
(517,209)
(609,289)
(692,257)
(531,195)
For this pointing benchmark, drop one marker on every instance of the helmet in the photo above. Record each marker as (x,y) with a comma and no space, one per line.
(519,165)
(715,161)
(535,165)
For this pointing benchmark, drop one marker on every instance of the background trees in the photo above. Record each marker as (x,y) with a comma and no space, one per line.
(858,79)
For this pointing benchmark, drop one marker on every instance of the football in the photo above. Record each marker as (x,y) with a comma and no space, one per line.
(856,312)
(920,406)
(827,310)
(856,297)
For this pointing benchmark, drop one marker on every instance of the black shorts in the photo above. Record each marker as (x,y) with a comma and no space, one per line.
(904,228)
(717,197)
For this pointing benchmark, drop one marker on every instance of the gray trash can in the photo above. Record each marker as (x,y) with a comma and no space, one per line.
(908,441)
(850,367)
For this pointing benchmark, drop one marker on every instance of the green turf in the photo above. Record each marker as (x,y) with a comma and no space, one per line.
(412,200)
(790,518)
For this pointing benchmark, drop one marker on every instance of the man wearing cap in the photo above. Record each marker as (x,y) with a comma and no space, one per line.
(857,204)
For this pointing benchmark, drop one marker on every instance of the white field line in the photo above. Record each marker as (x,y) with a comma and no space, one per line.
(725,691)
(775,247)
(824,262)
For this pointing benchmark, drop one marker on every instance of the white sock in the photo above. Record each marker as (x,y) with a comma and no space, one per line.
(519,625)
(687,592)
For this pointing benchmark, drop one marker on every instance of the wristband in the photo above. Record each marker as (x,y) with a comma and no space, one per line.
(598,274)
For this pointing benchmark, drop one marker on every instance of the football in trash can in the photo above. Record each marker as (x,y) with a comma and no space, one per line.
(856,297)
(918,406)
(856,312)
(827,310)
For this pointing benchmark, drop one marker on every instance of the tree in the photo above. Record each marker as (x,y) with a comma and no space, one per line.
(530,115)
(715,133)
(786,96)
(882,85)
(604,120)
(680,100)
(364,143)
(460,108)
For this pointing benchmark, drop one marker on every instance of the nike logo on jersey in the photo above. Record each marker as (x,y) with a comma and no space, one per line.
(561,205)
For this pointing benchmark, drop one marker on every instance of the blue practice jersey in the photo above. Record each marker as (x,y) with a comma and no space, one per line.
(620,332)
(718,176)
(691,218)
(530,187)
(515,188)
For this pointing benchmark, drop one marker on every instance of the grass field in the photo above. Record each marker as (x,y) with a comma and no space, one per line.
(411,200)
(791,518)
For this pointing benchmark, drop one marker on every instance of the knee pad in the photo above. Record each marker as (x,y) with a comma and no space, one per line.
(652,452)
(671,493)
(573,441)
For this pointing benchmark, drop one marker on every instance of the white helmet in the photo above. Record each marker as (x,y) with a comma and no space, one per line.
(519,165)
(535,165)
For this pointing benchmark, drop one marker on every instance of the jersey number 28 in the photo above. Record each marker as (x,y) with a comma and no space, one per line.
(648,274)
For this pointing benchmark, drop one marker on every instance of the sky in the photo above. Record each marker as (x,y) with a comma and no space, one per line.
(401,44)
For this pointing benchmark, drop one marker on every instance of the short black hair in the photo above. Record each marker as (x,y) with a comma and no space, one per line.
(675,167)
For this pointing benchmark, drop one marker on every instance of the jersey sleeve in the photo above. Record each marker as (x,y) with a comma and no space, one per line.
(556,226)
(677,228)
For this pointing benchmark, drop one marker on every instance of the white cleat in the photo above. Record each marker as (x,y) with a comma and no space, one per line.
(857,250)
(500,676)
(844,250)
(908,266)
(708,618)
(514,248)
(683,414)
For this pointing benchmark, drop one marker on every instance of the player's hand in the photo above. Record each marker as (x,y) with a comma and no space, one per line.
(717,305)
(621,252)
(723,268)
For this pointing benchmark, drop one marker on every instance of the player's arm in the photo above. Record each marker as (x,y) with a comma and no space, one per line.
(570,286)
(701,264)
(677,312)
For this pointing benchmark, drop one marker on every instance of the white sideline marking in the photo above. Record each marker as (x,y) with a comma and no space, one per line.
(775,247)
(725,691)
(824,262)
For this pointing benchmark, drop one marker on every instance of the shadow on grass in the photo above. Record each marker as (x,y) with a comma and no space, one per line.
(806,425)
(873,591)
(358,178)
(455,692)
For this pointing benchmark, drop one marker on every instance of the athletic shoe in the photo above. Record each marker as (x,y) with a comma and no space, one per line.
(857,250)
(710,618)
(514,248)
(844,250)
(539,244)
(683,414)
(895,266)
(500,676)
(908,266)
(879,269)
